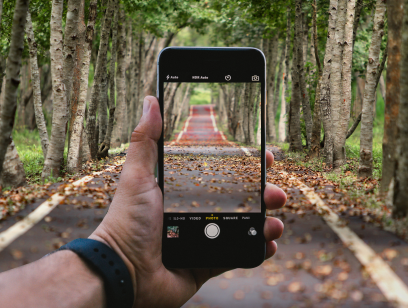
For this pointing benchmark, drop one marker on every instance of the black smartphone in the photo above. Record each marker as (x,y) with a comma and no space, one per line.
(211,166)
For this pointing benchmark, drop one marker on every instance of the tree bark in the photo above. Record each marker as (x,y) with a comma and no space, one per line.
(366,134)
(35,80)
(100,75)
(129,68)
(149,85)
(400,185)
(392,101)
(135,78)
(185,100)
(251,116)
(8,108)
(78,135)
(295,134)
(344,102)
(70,42)
(103,150)
(317,121)
(120,83)
(287,70)
(278,82)
(359,8)
(141,83)
(76,84)
(55,153)
(307,112)
(13,174)
(270,84)
(325,91)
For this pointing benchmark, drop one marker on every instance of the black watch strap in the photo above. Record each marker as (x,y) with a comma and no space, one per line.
(115,274)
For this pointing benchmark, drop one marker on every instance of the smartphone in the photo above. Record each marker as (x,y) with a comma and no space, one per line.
(211,166)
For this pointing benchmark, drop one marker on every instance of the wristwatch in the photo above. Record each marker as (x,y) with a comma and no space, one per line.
(115,274)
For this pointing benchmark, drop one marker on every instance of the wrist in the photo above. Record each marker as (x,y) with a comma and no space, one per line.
(105,238)
(85,279)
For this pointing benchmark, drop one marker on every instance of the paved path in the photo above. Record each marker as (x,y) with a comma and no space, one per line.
(200,128)
(204,172)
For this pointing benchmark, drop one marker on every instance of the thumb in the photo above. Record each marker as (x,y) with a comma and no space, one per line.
(141,158)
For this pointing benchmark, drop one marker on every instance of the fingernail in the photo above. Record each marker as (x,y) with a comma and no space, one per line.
(146,106)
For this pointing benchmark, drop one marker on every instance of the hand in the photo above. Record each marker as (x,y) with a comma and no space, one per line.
(133,224)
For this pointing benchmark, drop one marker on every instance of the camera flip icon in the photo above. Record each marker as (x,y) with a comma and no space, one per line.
(255,78)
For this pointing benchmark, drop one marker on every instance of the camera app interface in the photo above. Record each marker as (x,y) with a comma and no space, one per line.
(212,158)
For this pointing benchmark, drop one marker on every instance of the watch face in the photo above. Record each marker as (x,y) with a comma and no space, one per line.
(211,170)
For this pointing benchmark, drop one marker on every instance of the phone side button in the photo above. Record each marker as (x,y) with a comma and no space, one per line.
(212,230)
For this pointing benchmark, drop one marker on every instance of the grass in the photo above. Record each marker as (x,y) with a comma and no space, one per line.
(28,146)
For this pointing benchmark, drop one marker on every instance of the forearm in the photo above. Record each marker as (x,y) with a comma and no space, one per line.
(59,280)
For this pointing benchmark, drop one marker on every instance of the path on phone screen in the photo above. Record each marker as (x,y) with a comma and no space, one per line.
(312,268)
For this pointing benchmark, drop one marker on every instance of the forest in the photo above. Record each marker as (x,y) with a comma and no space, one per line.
(74,75)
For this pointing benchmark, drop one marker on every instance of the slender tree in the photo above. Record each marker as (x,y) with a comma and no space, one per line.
(392,101)
(287,69)
(339,157)
(8,108)
(295,135)
(35,78)
(55,153)
(324,84)
(366,134)
(270,84)
(100,74)
(120,83)
(70,43)
(13,174)
(399,191)
(300,70)
(317,121)
(78,136)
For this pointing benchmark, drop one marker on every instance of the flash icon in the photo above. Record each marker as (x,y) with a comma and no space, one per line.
(168,77)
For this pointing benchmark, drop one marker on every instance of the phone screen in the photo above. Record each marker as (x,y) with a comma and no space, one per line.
(212,177)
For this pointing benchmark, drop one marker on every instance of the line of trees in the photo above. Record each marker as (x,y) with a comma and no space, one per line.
(316,51)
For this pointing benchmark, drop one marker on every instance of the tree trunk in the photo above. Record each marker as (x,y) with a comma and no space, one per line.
(13,174)
(120,83)
(141,82)
(55,153)
(251,104)
(135,79)
(359,8)
(270,84)
(8,108)
(76,85)
(152,72)
(317,121)
(129,68)
(392,101)
(70,42)
(186,98)
(400,185)
(307,112)
(100,75)
(295,134)
(287,70)
(78,134)
(305,32)
(35,80)
(278,82)
(168,109)
(326,108)
(344,102)
(366,135)
(103,150)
